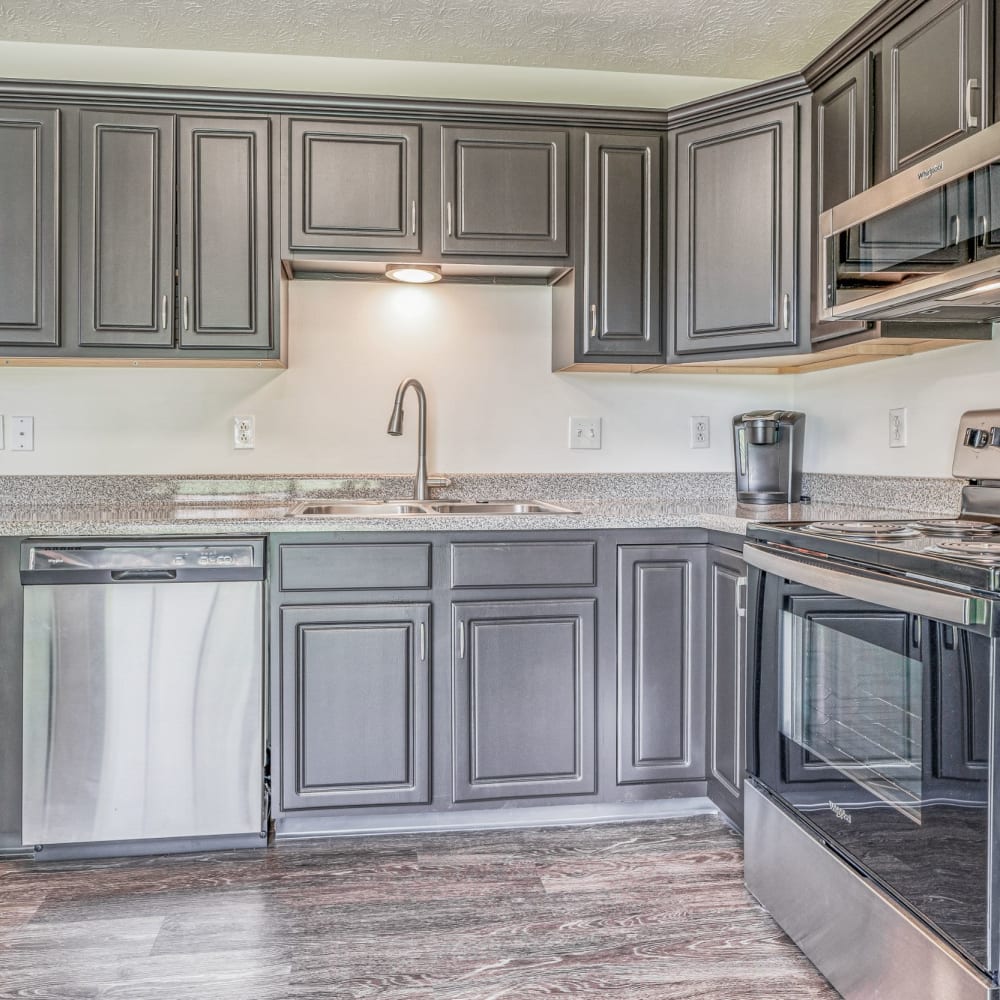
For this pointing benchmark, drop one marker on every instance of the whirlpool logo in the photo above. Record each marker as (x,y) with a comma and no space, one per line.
(930,171)
(840,813)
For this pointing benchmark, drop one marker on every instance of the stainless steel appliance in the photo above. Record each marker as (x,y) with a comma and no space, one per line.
(767,445)
(143,695)
(873,807)
(923,244)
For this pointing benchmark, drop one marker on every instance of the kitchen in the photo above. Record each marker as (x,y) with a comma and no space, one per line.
(567,682)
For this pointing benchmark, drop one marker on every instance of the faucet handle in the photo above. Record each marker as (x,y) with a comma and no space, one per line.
(438,482)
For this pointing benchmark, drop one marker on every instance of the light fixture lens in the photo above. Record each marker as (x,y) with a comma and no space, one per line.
(414,274)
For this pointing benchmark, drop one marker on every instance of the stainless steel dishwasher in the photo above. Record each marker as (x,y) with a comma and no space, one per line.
(143,696)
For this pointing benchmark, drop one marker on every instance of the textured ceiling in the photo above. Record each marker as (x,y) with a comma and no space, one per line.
(750,39)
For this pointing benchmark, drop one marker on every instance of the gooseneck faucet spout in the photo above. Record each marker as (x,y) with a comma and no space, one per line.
(421,491)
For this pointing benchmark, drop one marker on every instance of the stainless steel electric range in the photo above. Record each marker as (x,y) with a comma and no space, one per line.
(873,806)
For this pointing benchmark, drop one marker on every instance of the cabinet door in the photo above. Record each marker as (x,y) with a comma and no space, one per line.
(504,192)
(524,710)
(933,82)
(726,681)
(127,229)
(29,226)
(736,234)
(661,642)
(843,135)
(354,186)
(623,233)
(355,723)
(225,232)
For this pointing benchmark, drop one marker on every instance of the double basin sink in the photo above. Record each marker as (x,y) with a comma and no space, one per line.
(403,508)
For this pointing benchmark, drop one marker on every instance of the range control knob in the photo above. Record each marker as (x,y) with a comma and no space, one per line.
(976,437)
(995,437)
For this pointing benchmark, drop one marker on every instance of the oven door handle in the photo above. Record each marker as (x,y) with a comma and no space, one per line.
(875,588)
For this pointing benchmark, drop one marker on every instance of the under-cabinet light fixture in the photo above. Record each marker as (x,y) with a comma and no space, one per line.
(414,274)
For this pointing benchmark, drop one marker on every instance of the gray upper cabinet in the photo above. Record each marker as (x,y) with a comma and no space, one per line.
(353,186)
(29,226)
(225,232)
(623,231)
(736,233)
(504,192)
(934,82)
(661,643)
(355,712)
(524,699)
(126,192)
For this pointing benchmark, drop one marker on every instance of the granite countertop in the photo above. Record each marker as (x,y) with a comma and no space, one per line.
(255,518)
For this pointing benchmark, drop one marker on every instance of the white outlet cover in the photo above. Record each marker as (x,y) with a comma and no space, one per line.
(244,433)
(898,431)
(22,433)
(585,432)
(701,432)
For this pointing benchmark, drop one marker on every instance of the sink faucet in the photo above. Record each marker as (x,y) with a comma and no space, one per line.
(421,489)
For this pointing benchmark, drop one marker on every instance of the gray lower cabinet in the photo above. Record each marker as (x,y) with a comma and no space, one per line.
(224,232)
(524,710)
(355,710)
(29,226)
(505,191)
(726,670)
(661,643)
(736,233)
(353,185)
(126,198)
(623,231)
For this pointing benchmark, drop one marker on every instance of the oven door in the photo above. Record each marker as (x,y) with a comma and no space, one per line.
(872,726)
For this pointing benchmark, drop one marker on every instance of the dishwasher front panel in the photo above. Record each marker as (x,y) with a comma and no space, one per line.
(143,711)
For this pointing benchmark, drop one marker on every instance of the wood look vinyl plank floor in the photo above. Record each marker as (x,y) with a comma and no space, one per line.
(642,911)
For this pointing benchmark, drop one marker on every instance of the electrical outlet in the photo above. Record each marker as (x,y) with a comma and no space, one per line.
(22,433)
(897,428)
(1,433)
(244,433)
(700,432)
(585,432)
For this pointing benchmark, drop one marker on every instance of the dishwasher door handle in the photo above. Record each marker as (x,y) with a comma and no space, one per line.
(148,575)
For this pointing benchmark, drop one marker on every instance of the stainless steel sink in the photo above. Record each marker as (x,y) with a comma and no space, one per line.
(403,508)
(500,507)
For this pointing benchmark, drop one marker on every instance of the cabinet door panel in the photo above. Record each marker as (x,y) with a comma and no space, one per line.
(355,709)
(737,225)
(224,224)
(29,226)
(661,699)
(354,186)
(623,231)
(127,229)
(504,192)
(524,699)
(930,62)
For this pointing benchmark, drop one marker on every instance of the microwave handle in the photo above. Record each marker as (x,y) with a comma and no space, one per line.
(874,588)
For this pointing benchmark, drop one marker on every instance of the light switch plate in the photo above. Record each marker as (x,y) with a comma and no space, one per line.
(585,432)
(22,433)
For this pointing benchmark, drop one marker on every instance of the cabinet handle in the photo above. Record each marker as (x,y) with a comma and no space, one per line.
(413,217)
(186,317)
(423,641)
(448,213)
(984,227)
(593,321)
(163,313)
(786,311)
(461,640)
(971,118)
(741,597)
(956,225)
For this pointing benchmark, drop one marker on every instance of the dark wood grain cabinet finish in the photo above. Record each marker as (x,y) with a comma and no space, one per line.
(504,191)
(524,699)
(355,712)
(727,676)
(225,232)
(934,82)
(736,233)
(29,226)
(623,232)
(353,186)
(126,198)
(661,700)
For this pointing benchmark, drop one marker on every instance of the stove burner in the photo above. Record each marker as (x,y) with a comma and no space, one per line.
(982,552)
(865,531)
(957,528)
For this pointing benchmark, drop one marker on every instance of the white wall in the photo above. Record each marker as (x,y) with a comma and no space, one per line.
(483,353)
(848,410)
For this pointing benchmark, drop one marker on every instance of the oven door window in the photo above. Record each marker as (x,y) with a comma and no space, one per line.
(882,727)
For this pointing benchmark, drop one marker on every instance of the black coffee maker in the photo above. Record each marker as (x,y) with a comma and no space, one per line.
(768,451)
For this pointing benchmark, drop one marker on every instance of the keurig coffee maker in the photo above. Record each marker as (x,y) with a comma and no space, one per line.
(768,446)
